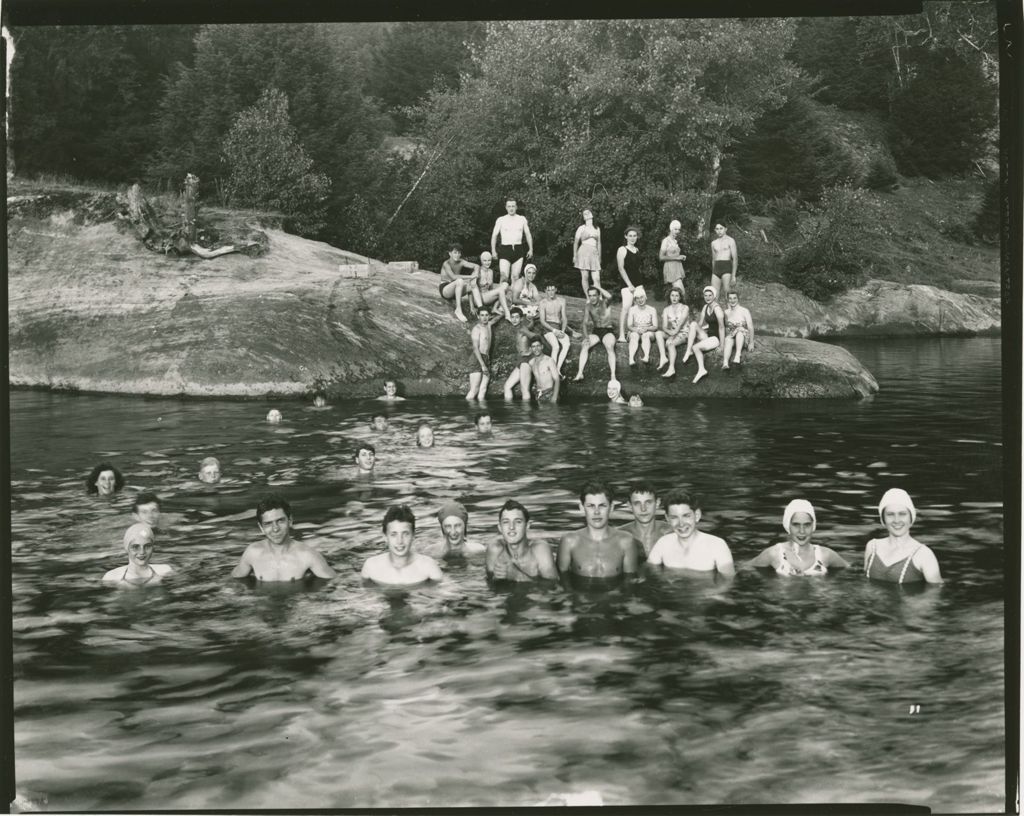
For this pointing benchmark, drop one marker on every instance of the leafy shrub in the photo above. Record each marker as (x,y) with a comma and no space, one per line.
(882,175)
(785,211)
(731,207)
(828,260)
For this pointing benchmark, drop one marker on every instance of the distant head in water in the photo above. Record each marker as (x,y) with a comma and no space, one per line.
(209,470)
(425,436)
(104,480)
(319,400)
(273,415)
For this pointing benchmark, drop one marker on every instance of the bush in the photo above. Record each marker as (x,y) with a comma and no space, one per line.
(987,221)
(731,207)
(785,211)
(882,175)
(828,260)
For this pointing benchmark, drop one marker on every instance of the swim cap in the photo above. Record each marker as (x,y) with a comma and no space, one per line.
(675,224)
(898,497)
(485,254)
(639,292)
(798,506)
(137,529)
(528,267)
(712,288)
(452,508)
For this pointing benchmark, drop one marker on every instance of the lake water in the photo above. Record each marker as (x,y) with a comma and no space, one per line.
(208,692)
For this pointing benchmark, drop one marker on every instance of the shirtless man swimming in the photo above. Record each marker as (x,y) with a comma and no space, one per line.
(597,551)
(365,458)
(209,470)
(544,373)
(512,228)
(277,557)
(646,527)
(512,556)
(686,547)
(401,565)
(724,261)
(522,374)
(390,392)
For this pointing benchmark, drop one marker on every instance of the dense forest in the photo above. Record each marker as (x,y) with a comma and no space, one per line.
(394,139)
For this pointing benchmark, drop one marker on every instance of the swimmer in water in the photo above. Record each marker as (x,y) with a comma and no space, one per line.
(646,527)
(209,470)
(686,547)
(401,565)
(614,392)
(277,557)
(424,436)
(390,392)
(512,556)
(454,518)
(379,423)
(597,550)
(483,424)
(139,543)
(146,509)
(365,458)
(636,401)
(274,416)
(899,558)
(104,480)
(797,555)
(319,400)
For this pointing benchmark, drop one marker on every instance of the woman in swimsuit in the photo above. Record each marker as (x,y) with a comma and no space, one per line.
(739,329)
(586,252)
(674,320)
(708,331)
(138,543)
(628,260)
(899,558)
(797,555)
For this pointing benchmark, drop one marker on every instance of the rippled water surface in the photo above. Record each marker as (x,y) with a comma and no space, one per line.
(212,693)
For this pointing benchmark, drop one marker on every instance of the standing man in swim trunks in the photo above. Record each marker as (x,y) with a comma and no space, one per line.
(277,557)
(480,362)
(551,313)
(401,565)
(522,374)
(512,228)
(597,551)
(686,547)
(545,375)
(724,261)
(454,284)
(598,327)
(512,556)
(646,527)
(453,518)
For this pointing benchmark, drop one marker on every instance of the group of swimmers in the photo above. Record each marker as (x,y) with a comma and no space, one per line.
(537,318)
(595,551)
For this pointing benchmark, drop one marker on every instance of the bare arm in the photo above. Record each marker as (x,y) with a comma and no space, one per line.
(763,559)
(556,377)
(599,244)
(561,314)
(541,319)
(620,258)
(433,569)
(318,565)
(655,557)
(529,238)
(545,560)
(629,555)
(244,565)
(564,554)
(735,258)
(750,327)
(834,559)
(494,237)
(631,319)
(663,252)
(723,559)
(929,565)
(576,243)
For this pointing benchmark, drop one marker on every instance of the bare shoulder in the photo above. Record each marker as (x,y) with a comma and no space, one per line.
(163,569)
(622,537)
(114,574)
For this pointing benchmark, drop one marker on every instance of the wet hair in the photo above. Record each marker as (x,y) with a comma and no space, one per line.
(272,501)
(94,474)
(395,384)
(476,421)
(680,497)
(642,486)
(398,512)
(593,487)
(145,498)
(453,247)
(365,446)
(512,504)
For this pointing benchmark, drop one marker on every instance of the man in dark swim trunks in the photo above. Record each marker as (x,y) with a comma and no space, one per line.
(597,551)
(512,228)
(512,556)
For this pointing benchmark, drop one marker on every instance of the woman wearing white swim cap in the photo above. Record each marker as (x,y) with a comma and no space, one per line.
(899,558)
(798,555)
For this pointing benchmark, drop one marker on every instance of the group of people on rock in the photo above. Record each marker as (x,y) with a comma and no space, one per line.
(541,318)
(595,551)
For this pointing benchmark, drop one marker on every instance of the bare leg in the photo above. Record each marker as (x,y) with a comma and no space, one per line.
(627,301)
(716,282)
(510,383)
(459,286)
(634,342)
(739,346)
(698,352)
(727,350)
(588,341)
(726,285)
(565,343)
(553,342)
(659,337)
(525,378)
(474,385)
(517,270)
(485,380)
(671,370)
(691,336)
(584,276)
(503,270)
(474,292)
(608,341)
(645,346)
(497,293)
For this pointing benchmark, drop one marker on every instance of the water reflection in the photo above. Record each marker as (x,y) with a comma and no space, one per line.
(672,690)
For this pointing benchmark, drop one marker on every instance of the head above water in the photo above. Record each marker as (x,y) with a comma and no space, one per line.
(897,498)
(146,508)
(274,416)
(483,423)
(425,435)
(452,508)
(614,389)
(798,506)
(209,470)
(272,501)
(681,497)
(104,480)
(400,513)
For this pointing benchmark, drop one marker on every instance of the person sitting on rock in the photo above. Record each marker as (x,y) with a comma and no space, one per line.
(455,285)
(104,480)
(390,392)
(139,543)
(739,329)
(400,565)
(491,292)
(524,290)
(553,324)
(675,319)
(708,330)
(598,327)
(642,323)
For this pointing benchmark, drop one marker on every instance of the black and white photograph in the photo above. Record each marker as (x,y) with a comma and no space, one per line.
(476,407)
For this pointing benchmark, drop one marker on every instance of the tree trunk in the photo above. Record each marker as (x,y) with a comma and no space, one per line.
(191,189)
(711,189)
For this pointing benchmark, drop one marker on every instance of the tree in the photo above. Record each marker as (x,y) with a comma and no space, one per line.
(268,167)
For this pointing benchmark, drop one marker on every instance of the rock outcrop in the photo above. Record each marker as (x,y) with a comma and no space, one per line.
(90,310)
